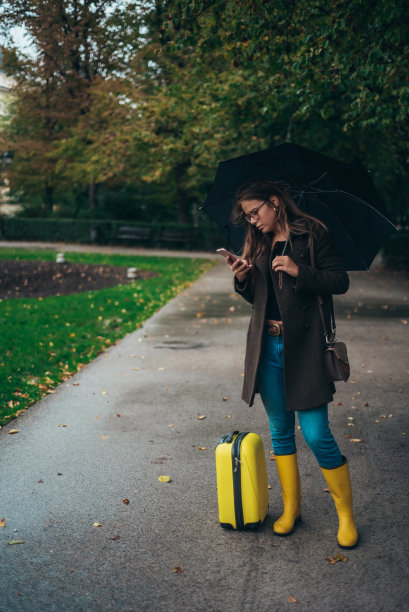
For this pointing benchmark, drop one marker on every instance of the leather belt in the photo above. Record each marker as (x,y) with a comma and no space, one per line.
(274,328)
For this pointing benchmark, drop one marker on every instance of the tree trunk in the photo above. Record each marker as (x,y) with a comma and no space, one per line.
(49,197)
(92,196)
(182,197)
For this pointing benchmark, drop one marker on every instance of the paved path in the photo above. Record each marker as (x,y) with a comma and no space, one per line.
(56,482)
(89,248)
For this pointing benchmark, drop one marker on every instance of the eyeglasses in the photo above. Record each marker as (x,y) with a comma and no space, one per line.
(254,214)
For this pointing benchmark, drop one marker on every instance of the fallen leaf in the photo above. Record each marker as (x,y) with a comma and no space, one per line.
(202,448)
(97,524)
(177,569)
(269,487)
(125,501)
(326,490)
(224,399)
(11,542)
(61,425)
(357,440)
(292,599)
(170,425)
(115,537)
(351,418)
(366,404)
(227,416)
(13,431)
(165,479)
(118,415)
(331,560)
(338,403)
(3,522)
(104,437)
(201,417)
(336,558)
(347,436)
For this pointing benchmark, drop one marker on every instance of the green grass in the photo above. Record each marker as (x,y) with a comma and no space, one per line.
(44,341)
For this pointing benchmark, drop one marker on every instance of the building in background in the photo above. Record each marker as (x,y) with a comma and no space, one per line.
(6,85)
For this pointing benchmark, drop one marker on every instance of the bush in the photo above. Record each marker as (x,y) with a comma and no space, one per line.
(395,253)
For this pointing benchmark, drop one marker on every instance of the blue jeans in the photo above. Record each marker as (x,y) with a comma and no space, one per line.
(314,423)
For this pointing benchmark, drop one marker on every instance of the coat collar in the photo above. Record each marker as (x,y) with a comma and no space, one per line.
(263,263)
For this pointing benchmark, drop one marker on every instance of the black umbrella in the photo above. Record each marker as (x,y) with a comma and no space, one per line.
(342,196)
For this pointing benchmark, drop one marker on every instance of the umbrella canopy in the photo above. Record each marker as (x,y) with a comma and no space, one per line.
(342,196)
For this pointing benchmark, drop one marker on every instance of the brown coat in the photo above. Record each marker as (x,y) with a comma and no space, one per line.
(305,381)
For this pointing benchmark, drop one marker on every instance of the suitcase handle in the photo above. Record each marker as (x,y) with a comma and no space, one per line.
(227,438)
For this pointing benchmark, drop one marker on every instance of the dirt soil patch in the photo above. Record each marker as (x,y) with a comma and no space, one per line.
(28,278)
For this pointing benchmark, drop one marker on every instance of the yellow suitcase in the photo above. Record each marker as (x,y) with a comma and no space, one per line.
(242,488)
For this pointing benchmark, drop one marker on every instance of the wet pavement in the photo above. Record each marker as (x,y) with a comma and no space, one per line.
(131,416)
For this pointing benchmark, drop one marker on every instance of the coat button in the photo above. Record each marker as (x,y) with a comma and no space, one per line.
(307,325)
(303,307)
(302,256)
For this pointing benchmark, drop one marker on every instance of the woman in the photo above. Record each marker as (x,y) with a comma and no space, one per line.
(285,343)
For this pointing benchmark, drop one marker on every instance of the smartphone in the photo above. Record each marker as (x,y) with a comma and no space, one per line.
(226,253)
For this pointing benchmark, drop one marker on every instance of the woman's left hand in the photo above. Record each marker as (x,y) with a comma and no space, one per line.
(284,263)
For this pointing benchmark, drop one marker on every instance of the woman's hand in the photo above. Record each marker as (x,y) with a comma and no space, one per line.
(284,263)
(239,267)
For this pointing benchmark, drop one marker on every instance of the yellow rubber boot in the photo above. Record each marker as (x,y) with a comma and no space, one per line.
(339,484)
(287,468)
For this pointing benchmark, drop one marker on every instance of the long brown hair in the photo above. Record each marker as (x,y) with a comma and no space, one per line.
(291,218)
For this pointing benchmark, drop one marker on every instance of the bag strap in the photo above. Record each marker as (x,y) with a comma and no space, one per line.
(329,338)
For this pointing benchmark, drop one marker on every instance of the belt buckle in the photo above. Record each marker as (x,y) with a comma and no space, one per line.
(274,329)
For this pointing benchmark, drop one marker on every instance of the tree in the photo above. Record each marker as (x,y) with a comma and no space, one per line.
(333,76)
(79,44)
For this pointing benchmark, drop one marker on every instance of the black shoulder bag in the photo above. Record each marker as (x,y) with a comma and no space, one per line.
(336,356)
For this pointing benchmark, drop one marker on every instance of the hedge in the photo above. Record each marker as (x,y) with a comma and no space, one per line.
(106,232)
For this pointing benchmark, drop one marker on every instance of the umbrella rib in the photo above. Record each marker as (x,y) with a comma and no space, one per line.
(352,197)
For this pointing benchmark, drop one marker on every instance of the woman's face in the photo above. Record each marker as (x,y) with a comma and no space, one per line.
(262,214)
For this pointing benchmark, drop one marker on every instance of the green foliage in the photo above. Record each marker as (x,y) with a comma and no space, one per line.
(45,341)
(205,81)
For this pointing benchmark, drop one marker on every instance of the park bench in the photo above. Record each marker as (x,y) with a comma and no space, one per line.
(171,237)
(132,233)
